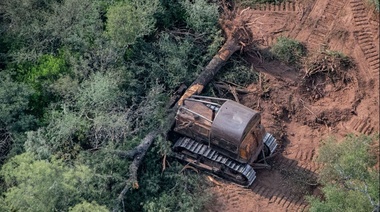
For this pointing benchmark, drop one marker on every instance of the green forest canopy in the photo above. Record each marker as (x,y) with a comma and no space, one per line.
(80,80)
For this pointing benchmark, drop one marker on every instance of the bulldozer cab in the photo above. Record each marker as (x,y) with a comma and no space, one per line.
(228,126)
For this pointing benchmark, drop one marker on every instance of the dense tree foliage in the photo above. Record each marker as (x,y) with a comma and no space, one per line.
(350,175)
(44,185)
(81,80)
(128,21)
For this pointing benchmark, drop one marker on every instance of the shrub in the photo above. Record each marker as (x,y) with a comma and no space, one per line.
(44,185)
(201,15)
(171,14)
(128,21)
(288,50)
(14,100)
(88,207)
(349,175)
(43,27)
(48,68)
(170,61)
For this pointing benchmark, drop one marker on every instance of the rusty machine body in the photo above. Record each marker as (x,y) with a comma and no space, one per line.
(221,136)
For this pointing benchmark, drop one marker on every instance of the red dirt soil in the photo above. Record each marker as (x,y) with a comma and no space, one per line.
(301,114)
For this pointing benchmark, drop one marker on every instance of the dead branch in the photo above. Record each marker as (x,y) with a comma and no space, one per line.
(213,181)
(303,104)
(164,163)
(187,166)
(233,91)
(132,182)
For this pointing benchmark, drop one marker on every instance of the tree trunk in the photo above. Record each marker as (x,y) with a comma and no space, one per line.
(138,153)
(237,36)
(212,68)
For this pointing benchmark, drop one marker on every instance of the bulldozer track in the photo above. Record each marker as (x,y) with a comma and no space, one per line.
(282,7)
(195,152)
(287,200)
(309,167)
(364,36)
(208,154)
(232,194)
(305,155)
(361,126)
(284,199)
(323,27)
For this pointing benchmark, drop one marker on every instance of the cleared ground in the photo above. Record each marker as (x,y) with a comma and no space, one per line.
(299,112)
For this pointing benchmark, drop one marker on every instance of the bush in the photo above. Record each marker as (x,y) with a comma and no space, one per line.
(44,185)
(43,27)
(14,103)
(15,117)
(201,15)
(349,175)
(288,50)
(171,14)
(171,190)
(169,61)
(88,207)
(128,21)
(60,137)
(46,70)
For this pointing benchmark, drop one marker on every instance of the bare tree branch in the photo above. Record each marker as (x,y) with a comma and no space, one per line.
(140,152)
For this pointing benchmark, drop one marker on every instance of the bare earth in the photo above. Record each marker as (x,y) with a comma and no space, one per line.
(300,114)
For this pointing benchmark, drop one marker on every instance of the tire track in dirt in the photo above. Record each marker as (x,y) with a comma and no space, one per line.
(365,40)
(361,125)
(305,155)
(297,171)
(282,7)
(235,197)
(294,171)
(231,196)
(284,200)
(301,164)
(364,36)
(324,25)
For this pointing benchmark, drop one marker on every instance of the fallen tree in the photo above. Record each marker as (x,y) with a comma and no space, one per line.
(237,36)
(235,26)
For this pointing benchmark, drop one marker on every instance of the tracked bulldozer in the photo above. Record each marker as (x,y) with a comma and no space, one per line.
(222,137)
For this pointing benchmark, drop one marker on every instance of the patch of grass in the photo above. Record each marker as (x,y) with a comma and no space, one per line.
(288,50)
